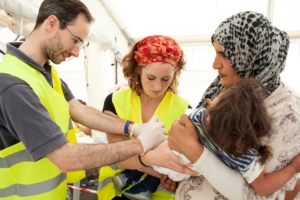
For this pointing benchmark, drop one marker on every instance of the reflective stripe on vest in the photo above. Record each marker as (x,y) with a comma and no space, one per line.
(103,183)
(21,177)
(30,190)
(128,106)
(11,160)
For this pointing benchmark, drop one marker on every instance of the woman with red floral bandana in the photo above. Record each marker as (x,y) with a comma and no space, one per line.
(152,69)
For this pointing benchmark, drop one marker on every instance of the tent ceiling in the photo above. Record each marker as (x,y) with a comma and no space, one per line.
(195,20)
(19,16)
(189,21)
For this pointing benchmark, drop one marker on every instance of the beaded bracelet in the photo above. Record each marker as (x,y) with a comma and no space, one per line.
(142,162)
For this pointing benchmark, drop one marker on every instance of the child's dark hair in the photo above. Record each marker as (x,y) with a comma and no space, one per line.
(239,119)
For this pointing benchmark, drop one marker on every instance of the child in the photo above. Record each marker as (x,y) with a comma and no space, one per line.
(233,127)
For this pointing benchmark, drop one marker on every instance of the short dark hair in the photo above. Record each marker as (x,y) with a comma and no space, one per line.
(239,119)
(65,10)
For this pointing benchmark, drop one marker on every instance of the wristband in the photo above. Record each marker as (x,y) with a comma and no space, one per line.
(142,162)
(126,126)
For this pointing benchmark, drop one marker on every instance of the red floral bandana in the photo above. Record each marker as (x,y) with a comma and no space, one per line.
(157,48)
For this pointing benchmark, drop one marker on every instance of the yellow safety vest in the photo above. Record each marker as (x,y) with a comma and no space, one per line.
(21,177)
(128,106)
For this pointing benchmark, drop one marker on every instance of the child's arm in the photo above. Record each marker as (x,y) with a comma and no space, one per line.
(268,183)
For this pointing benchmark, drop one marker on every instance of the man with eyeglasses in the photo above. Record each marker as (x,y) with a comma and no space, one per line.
(36,108)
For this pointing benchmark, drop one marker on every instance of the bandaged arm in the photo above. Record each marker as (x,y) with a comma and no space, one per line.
(220,176)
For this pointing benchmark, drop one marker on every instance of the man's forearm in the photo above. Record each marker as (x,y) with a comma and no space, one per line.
(95,119)
(71,157)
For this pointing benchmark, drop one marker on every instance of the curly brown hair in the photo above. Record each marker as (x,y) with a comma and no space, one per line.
(239,119)
(130,71)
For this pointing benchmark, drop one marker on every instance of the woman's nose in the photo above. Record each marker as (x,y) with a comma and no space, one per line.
(157,86)
(217,64)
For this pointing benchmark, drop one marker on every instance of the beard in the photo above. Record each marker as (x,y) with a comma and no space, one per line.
(52,48)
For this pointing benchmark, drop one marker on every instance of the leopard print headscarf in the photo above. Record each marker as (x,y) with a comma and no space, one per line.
(255,48)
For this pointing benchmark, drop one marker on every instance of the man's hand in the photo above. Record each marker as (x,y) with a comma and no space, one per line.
(168,184)
(295,163)
(153,134)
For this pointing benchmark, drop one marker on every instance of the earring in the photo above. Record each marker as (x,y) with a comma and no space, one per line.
(136,83)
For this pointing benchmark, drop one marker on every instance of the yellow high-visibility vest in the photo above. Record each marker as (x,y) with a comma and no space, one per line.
(21,177)
(128,106)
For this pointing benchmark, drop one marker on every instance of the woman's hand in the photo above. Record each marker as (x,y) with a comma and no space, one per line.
(168,184)
(163,156)
(184,139)
(295,163)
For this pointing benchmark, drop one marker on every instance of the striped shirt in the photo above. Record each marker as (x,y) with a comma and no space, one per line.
(241,164)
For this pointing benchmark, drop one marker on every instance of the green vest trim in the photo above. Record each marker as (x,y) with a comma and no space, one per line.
(128,106)
(21,177)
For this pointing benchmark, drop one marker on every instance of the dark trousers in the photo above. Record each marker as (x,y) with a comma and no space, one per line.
(151,183)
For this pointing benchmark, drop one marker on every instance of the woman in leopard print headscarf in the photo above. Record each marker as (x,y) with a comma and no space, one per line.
(247,46)
(255,49)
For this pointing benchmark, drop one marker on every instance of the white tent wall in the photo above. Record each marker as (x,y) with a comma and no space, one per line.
(96,77)
(93,74)
(111,36)
(18,16)
(99,67)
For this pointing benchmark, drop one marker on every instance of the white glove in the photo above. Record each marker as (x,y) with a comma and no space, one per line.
(137,129)
(153,134)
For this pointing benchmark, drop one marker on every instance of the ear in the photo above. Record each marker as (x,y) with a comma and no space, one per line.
(52,23)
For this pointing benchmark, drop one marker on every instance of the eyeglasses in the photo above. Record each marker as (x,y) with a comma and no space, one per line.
(78,43)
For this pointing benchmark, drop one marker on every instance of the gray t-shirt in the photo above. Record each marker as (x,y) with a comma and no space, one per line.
(23,117)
